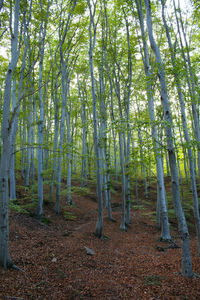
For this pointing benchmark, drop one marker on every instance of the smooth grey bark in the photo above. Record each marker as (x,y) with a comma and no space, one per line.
(15,111)
(23,160)
(185,157)
(127,95)
(12,144)
(184,234)
(62,130)
(163,151)
(111,108)
(92,36)
(162,215)
(69,133)
(83,98)
(29,131)
(40,119)
(65,80)
(33,140)
(179,169)
(142,164)
(112,116)
(103,143)
(103,140)
(90,145)
(135,169)
(190,78)
(142,160)
(124,126)
(122,146)
(123,220)
(167,164)
(5,258)
(55,139)
(69,152)
(185,130)
(158,210)
(47,127)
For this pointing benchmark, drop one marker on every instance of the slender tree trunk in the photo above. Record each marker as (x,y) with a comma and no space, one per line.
(29,131)
(23,142)
(84,137)
(142,163)
(122,150)
(62,130)
(162,215)
(190,80)
(99,224)
(5,258)
(55,140)
(33,140)
(185,130)
(40,121)
(184,234)
(135,171)
(12,146)
(69,156)
(103,129)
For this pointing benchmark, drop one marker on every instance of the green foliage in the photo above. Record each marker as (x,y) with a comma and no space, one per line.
(77,190)
(153,280)
(17,208)
(68,215)
(46,220)
(82,191)
(80,8)
(171,213)
(138,207)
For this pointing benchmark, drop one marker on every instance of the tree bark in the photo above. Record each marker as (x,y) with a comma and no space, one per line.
(5,258)
(185,130)
(99,224)
(184,234)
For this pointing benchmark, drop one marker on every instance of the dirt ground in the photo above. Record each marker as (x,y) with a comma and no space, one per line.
(55,265)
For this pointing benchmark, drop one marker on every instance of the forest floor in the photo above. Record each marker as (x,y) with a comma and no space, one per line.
(125,265)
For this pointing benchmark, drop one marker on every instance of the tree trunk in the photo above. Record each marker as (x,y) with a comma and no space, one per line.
(184,234)
(5,258)
(161,205)
(99,224)
(185,130)
(40,121)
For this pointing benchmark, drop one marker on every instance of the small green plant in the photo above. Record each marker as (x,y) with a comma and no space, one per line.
(151,215)
(153,280)
(34,188)
(113,191)
(46,221)
(29,205)
(77,190)
(69,216)
(60,273)
(17,208)
(138,207)
(171,213)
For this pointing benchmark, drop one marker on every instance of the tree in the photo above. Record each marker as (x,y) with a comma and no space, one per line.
(65,81)
(165,234)
(5,258)
(184,234)
(40,119)
(92,41)
(185,128)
